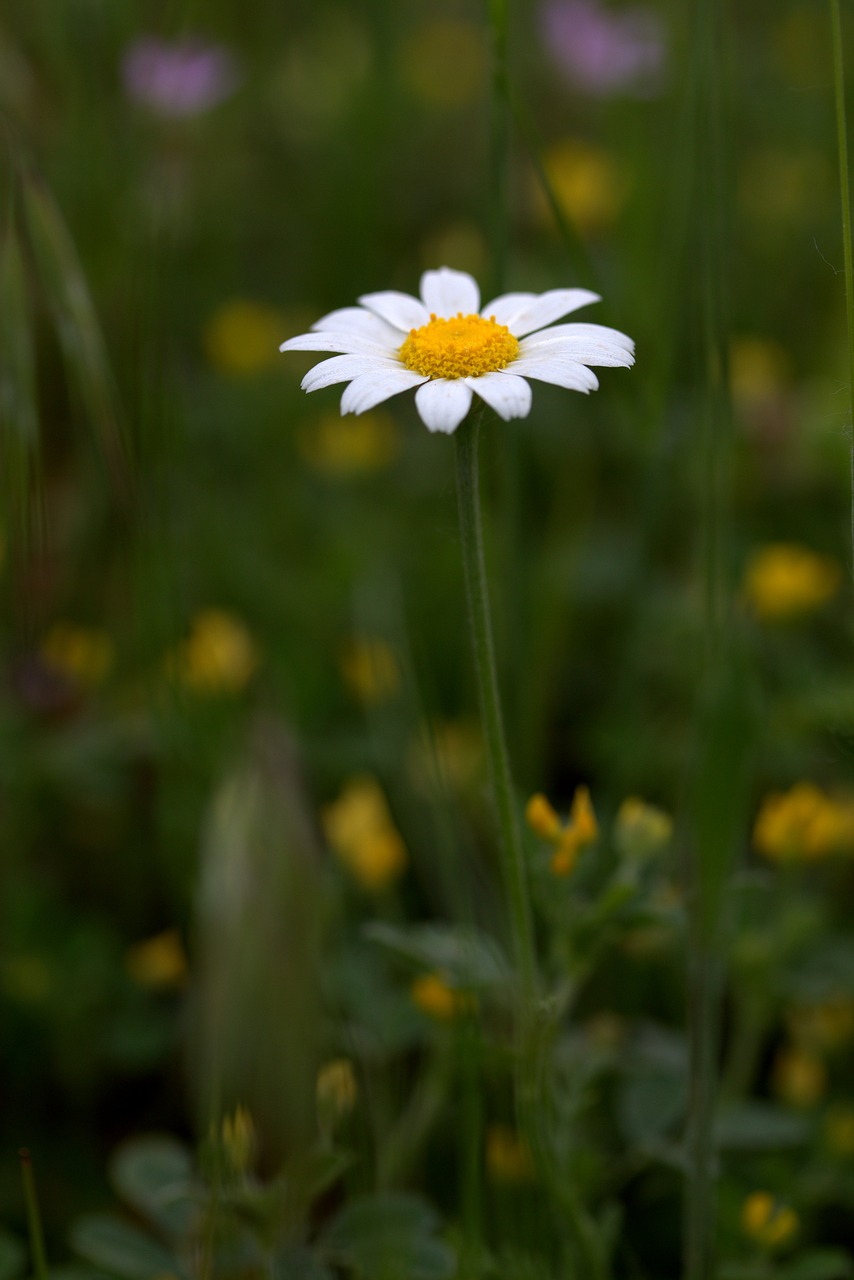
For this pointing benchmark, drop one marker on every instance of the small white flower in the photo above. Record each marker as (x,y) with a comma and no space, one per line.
(444,345)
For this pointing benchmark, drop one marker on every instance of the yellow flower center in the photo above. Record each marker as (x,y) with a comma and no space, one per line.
(462,347)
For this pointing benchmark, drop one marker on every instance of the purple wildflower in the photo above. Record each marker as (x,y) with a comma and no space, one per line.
(179,77)
(602,50)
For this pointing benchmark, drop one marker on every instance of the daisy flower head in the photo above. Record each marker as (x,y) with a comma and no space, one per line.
(447,348)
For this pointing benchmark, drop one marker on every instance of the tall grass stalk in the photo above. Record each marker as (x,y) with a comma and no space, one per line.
(713,840)
(845,196)
(34,1222)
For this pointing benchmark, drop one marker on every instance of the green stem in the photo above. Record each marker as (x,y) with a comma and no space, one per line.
(513,866)
(34,1222)
(845,192)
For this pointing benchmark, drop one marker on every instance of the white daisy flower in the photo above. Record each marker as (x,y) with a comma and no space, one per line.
(446,347)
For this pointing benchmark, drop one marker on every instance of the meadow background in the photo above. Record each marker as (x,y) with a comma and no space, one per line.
(249,891)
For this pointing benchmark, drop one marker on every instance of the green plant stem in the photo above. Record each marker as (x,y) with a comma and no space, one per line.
(513,867)
(845,194)
(34,1223)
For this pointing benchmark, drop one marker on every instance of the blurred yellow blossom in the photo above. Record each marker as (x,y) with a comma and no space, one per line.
(26,979)
(768,1222)
(587,182)
(799,1076)
(508,1157)
(159,961)
(370,669)
(803,824)
(242,337)
(451,749)
(839,1129)
(826,1025)
(641,830)
(336,1092)
(783,580)
(346,447)
(759,370)
(444,62)
(360,830)
(239,1138)
(435,997)
(568,838)
(83,655)
(219,656)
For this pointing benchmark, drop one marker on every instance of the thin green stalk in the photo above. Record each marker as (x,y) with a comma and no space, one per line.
(510,844)
(34,1222)
(845,193)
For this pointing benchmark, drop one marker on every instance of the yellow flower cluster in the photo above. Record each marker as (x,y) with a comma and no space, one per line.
(641,830)
(158,962)
(438,999)
(360,830)
(568,838)
(83,655)
(370,669)
(508,1156)
(219,656)
(784,580)
(769,1223)
(803,824)
(336,1092)
(355,447)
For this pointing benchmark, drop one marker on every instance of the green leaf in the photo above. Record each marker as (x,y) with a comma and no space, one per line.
(466,957)
(121,1249)
(389,1237)
(759,1126)
(154,1175)
(13,1255)
(819,1264)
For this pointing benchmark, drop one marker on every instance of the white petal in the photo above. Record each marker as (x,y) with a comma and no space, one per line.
(445,293)
(443,403)
(558,370)
(547,308)
(348,343)
(585,352)
(508,306)
(342,369)
(507,394)
(370,389)
(358,321)
(399,309)
(587,332)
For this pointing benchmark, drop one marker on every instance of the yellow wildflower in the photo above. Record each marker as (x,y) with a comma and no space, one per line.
(242,337)
(360,830)
(767,1222)
(799,1076)
(641,830)
(587,183)
(444,63)
(803,824)
(508,1156)
(568,838)
(433,996)
(783,580)
(336,1092)
(218,657)
(822,1026)
(239,1138)
(839,1130)
(159,961)
(83,655)
(345,448)
(370,669)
